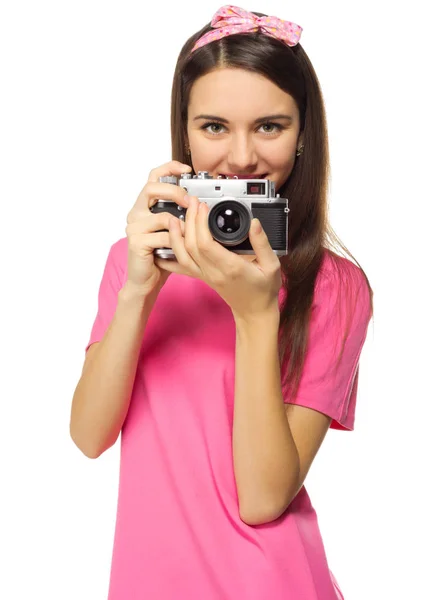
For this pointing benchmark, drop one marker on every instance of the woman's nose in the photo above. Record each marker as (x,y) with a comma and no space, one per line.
(242,155)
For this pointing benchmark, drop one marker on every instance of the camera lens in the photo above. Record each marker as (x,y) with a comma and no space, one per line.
(229,222)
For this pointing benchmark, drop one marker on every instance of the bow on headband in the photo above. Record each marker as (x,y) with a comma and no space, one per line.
(229,20)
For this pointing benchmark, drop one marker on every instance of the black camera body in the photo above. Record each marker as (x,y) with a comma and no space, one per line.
(233,203)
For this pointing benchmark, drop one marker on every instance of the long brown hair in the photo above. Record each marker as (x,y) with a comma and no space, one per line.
(310,234)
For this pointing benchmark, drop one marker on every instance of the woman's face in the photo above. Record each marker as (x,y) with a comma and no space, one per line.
(240,123)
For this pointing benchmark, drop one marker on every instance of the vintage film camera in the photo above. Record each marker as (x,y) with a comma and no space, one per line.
(232,204)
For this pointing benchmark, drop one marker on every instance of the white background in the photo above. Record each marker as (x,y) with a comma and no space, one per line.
(85,97)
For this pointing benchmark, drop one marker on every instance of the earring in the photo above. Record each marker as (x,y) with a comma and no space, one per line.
(300,150)
(187,150)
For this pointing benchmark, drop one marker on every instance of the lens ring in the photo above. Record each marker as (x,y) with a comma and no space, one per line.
(229,222)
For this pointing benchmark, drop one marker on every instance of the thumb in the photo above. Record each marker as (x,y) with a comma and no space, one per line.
(256,227)
(260,243)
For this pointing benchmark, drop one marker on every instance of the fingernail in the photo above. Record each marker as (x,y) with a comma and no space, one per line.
(257,226)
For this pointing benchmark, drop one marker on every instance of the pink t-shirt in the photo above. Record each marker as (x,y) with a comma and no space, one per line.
(178,532)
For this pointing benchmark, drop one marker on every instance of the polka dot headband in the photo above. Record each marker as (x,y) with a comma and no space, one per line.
(229,20)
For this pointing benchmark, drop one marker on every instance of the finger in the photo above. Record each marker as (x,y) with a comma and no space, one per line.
(172,266)
(153,191)
(173,167)
(190,238)
(144,244)
(265,256)
(203,235)
(178,246)
(151,222)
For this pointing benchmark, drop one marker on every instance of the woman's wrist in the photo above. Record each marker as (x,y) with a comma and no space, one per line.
(133,294)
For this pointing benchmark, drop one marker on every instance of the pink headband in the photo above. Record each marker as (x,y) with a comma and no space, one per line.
(229,20)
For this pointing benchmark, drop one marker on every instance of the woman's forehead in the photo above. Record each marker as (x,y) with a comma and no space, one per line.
(222,89)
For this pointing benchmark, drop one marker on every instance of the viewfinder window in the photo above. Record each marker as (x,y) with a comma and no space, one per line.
(255,189)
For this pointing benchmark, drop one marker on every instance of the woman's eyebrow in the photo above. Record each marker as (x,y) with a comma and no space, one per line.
(267,118)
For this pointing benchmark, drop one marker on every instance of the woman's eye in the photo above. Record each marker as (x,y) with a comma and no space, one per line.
(208,125)
(276,127)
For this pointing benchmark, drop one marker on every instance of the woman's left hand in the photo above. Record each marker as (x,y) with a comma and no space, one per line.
(249,288)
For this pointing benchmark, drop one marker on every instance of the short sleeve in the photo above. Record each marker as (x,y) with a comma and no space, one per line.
(111,283)
(341,312)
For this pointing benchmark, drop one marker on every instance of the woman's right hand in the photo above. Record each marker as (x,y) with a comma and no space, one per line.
(143,229)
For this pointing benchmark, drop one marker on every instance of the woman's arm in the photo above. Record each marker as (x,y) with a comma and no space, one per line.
(102,396)
(270,464)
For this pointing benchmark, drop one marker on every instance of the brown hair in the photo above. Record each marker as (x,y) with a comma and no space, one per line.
(307,186)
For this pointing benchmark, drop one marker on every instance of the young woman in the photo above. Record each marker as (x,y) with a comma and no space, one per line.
(223,372)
